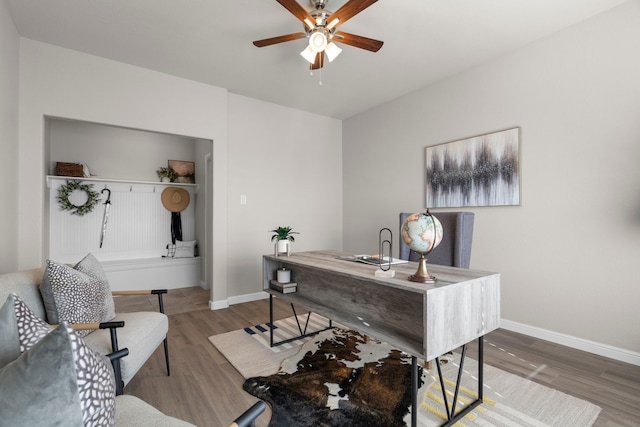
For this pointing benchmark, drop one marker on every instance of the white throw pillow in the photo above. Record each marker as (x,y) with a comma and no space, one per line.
(185,249)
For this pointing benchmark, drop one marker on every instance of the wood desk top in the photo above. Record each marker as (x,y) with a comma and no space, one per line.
(424,320)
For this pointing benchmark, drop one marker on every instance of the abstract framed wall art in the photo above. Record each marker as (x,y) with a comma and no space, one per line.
(482,170)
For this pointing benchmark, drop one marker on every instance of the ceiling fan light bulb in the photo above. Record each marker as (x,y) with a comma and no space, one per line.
(332,24)
(332,51)
(317,41)
(309,54)
(309,23)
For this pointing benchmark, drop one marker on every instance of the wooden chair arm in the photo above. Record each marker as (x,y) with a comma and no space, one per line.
(94,326)
(140,292)
(158,292)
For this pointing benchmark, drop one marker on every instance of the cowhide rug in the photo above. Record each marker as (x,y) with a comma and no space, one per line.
(339,378)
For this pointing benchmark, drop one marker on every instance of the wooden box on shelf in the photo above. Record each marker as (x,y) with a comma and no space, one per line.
(69,169)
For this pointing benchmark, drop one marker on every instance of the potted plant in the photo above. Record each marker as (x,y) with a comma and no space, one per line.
(166,174)
(283,239)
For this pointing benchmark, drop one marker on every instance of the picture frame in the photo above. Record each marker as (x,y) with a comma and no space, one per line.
(482,170)
(185,171)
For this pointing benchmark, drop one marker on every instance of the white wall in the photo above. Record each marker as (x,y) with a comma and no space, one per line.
(113,152)
(288,164)
(9,67)
(56,82)
(567,253)
(291,176)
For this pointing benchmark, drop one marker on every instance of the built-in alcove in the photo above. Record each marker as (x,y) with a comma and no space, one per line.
(138,228)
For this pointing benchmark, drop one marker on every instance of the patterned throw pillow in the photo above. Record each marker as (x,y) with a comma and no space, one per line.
(59,381)
(90,266)
(52,374)
(96,383)
(20,329)
(74,296)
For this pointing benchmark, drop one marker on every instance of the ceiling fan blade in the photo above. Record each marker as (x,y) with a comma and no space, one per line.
(357,41)
(319,62)
(298,11)
(279,39)
(349,10)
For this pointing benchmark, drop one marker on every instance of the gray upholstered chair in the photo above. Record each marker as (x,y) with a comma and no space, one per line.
(455,248)
(142,333)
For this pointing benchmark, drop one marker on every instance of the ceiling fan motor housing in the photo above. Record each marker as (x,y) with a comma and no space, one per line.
(320,17)
(319,4)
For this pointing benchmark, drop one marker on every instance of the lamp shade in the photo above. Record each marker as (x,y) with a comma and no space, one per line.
(309,54)
(317,41)
(332,50)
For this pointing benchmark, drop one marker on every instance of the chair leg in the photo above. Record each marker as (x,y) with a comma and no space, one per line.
(166,356)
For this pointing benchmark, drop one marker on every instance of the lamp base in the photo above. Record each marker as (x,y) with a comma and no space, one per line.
(422,275)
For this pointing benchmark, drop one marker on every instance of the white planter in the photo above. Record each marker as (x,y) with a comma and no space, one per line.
(283,247)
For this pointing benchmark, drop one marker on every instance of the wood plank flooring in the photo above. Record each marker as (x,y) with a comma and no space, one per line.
(206,390)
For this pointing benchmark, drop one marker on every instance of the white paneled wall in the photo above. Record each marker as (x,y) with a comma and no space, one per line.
(138,231)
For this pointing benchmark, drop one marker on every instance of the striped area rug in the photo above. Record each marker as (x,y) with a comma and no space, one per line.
(509,401)
(287,329)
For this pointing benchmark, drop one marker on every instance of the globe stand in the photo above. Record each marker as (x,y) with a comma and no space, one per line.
(422,275)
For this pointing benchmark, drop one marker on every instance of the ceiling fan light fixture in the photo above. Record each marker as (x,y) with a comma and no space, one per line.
(318,41)
(332,24)
(309,23)
(309,54)
(332,50)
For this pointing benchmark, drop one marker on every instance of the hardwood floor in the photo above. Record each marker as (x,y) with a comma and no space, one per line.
(206,390)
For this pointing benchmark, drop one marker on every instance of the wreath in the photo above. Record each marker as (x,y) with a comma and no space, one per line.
(63,198)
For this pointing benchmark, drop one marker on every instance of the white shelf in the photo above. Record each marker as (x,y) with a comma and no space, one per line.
(51,178)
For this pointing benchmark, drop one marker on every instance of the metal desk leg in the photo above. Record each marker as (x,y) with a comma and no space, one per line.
(303,332)
(452,416)
(414,391)
(270,320)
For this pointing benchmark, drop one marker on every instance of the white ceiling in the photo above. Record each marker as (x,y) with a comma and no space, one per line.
(210,41)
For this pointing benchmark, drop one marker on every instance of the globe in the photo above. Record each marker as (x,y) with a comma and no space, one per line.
(422,232)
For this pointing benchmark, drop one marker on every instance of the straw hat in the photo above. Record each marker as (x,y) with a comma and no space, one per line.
(175,199)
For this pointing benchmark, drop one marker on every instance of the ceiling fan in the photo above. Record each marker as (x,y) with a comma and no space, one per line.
(320,28)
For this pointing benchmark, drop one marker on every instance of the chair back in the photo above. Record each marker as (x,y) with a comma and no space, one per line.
(455,248)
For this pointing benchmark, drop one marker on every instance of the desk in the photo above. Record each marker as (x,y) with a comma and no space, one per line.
(423,320)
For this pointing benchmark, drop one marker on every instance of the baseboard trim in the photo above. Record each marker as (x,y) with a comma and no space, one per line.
(217,305)
(248,298)
(600,349)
